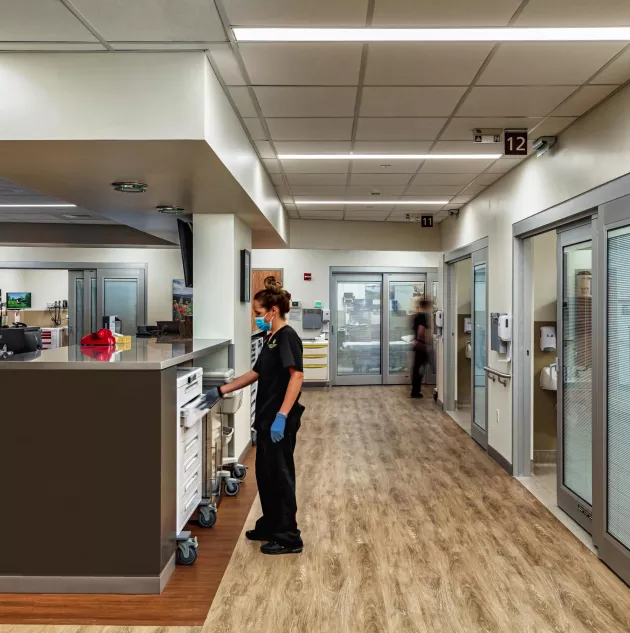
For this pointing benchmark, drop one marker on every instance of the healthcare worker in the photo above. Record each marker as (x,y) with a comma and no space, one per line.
(421,346)
(279,372)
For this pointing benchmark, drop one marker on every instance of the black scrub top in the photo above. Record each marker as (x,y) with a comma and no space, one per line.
(280,351)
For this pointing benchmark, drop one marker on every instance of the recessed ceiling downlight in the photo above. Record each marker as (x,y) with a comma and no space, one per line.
(170,210)
(130,186)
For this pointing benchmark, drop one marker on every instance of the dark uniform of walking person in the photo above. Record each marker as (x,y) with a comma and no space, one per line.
(279,372)
(421,345)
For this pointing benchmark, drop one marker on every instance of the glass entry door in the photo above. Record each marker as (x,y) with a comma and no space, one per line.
(357,330)
(575,368)
(479,341)
(612,455)
(82,313)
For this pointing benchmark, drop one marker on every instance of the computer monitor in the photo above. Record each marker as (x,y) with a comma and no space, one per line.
(18,300)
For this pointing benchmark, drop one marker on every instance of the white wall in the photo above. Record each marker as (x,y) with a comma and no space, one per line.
(164,265)
(296,262)
(545,277)
(595,150)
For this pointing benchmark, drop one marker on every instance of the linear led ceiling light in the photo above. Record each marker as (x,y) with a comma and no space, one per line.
(38,206)
(514,34)
(389,156)
(369,203)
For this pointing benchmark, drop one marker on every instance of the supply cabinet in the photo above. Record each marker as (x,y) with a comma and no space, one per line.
(315,361)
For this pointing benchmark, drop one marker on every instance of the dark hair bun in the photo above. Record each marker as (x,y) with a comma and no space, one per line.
(272,285)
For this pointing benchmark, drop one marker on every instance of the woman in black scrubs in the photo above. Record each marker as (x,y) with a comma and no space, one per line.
(279,372)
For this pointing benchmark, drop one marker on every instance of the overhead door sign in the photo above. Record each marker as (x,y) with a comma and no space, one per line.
(427,221)
(515,142)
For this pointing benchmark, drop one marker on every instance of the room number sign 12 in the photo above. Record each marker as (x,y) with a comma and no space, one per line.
(515,142)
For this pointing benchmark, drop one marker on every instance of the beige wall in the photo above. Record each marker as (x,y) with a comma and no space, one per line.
(595,150)
(367,236)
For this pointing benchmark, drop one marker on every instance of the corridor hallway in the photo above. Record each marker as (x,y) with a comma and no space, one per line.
(409,526)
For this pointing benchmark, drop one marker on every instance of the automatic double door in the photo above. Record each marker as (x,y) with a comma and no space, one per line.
(372,327)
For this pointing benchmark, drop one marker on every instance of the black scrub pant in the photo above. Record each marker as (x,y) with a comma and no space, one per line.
(419,363)
(275,474)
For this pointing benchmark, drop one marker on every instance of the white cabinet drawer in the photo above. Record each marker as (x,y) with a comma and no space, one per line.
(315,371)
(191,414)
(191,443)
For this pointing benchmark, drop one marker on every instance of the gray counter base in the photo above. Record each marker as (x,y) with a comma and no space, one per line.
(88,584)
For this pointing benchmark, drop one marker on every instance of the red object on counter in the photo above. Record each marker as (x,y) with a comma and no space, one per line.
(100,353)
(102,337)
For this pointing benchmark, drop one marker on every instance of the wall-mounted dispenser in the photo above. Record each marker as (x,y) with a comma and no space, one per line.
(439,319)
(467,325)
(468,352)
(547,338)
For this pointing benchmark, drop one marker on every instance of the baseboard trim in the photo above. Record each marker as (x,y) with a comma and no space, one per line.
(499,459)
(440,404)
(127,585)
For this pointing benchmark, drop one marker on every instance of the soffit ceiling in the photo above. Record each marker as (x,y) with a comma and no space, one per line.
(365,98)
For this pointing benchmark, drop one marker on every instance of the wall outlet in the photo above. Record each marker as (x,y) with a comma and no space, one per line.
(497,416)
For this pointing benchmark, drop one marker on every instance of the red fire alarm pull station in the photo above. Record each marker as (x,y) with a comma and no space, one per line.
(307,276)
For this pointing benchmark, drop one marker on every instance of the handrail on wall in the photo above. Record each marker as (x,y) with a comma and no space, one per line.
(495,375)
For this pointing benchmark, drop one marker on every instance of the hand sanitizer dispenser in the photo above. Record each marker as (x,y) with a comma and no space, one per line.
(547,338)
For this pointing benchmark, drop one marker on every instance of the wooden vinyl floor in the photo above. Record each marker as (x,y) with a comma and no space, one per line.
(410,527)
(185,601)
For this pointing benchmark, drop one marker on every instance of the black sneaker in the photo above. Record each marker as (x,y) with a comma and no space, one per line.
(416,395)
(252,535)
(274,549)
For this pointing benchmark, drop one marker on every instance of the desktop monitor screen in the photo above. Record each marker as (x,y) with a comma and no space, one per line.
(18,300)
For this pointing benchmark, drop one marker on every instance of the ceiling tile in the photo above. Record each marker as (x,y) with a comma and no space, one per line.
(473,190)
(277,179)
(290,207)
(370,208)
(53,22)
(313,147)
(286,199)
(365,191)
(52,47)
(455,166)
(394,129)
(392,147)
(316,179)
(377,166)
(462,199)
(379,179)
(326,129)
(402,209)
(255,129)
(225,62)
(154,20)
(466,147)
(315,166)
(321,214)
(618,72)
(265,149)
(409,101)
(434,190)
(443,13)
(302,64)
(171,47)
(575,13)
(585,99)
(282,190)
(296,12)
(293,213)
(243,101)
(444,179)
(424,63)
(503,165)
(486,179)
(273,166)
(366,215)
(551,126)
(317,191)
(461,128)
(514,101)
(306,101)
(547,63)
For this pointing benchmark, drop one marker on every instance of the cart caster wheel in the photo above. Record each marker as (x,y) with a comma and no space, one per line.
(186,552)
(207,516)
(239,471)
(231,488)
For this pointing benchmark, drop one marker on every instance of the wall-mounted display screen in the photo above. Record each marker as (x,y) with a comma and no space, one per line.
(18,300)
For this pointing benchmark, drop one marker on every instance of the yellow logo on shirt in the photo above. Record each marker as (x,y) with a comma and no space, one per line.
(272,344)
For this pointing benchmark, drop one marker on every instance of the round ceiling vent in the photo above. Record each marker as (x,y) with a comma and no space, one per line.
(130,187)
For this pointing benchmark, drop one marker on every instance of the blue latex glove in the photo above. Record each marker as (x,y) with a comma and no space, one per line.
(211,397)
(277,428)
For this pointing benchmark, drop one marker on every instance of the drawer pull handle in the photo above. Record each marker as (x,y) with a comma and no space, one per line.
(315,346)
(315,366)
(315,355)
(190,462)
(190,482)
(187,447)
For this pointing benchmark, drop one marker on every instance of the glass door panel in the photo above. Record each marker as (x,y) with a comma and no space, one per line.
(357,330)
(121,293)
(575,366)
(480,347)
(81,304)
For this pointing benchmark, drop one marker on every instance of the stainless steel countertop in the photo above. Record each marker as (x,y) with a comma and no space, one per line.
(145,354)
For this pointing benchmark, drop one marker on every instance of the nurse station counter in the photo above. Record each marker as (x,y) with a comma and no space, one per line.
(88,466)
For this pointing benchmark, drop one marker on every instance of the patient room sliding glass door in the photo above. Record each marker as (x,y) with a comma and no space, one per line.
(372,328)
(479,430)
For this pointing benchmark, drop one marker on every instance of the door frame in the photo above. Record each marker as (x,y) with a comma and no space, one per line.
(385,272)
(479,258)
(450,313)
(576,507)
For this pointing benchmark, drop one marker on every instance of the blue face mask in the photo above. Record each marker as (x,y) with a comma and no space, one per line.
(262,325)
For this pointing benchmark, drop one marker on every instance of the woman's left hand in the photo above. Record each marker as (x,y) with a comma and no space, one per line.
(277,428)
